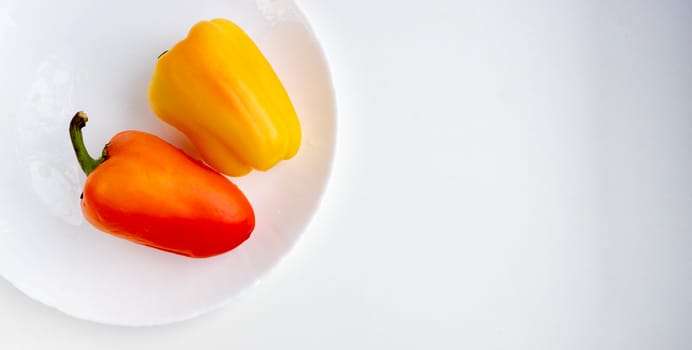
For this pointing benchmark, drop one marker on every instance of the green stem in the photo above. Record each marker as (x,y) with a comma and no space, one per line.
(87,163)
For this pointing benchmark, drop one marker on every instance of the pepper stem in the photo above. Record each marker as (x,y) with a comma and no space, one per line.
(87,163)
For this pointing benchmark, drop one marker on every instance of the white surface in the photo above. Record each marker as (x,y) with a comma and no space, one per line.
(509,175)
(47,249)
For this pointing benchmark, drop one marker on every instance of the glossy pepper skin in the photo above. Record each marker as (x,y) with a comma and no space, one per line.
(147,191)
(218,89)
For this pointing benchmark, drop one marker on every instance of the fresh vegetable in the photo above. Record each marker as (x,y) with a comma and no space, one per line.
(218,89)
(147,191)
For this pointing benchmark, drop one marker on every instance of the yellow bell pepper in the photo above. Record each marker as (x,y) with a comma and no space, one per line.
(217,88)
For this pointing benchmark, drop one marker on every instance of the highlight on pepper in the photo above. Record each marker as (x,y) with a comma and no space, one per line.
(145,190)
(218,88)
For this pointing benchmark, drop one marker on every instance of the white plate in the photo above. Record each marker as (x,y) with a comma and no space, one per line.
(63,56)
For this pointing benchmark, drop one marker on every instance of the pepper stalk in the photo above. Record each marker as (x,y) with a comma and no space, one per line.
(86,162)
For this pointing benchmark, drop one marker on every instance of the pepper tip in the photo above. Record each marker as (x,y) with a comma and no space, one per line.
(80,119)
(82,115)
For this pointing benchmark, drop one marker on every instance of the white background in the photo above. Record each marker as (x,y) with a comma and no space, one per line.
(509,175)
